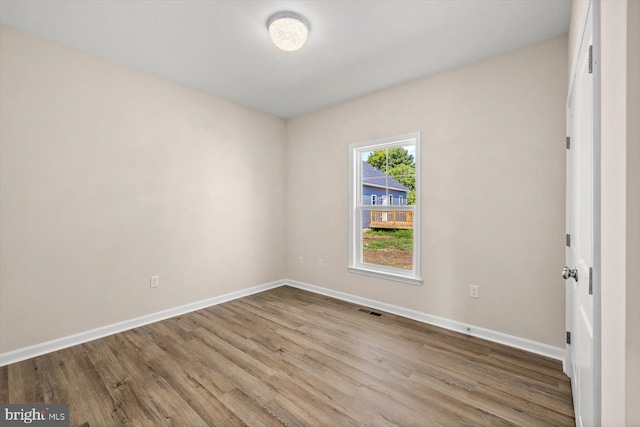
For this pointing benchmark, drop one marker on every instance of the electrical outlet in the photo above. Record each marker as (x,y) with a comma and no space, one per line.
(473,291)
(155,281)
(300,259)
(321,263)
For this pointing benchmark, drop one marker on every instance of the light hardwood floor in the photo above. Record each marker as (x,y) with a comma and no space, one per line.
(290,357)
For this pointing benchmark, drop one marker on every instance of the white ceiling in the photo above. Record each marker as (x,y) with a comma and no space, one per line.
(354,47)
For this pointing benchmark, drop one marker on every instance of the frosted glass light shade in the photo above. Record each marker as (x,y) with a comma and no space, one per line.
(288,30)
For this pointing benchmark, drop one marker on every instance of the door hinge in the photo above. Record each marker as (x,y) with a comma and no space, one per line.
(568,337)
(590,59)
(568,240)
(568,142)
(590,280)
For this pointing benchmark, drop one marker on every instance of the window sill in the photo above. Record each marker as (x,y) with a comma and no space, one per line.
(384,275)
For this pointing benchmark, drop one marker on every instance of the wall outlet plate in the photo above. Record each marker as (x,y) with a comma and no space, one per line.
(155,281)
(473,291)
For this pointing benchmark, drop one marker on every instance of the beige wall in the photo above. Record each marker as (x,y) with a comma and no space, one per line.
(493,186)
(613,212)
(633,214)
(109,176)
(620,210)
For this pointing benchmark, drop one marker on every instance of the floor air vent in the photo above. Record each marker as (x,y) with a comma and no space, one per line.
(373,313)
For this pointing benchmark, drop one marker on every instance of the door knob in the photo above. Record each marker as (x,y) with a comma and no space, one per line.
(568,273)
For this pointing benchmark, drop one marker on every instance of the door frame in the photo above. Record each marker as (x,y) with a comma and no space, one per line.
(594,7)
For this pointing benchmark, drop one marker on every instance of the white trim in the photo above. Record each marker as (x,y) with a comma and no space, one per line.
(390,275)
(103,331)
(476,331)
(597,218)
(590,17)
(93,334)
(387,208)
(389,142)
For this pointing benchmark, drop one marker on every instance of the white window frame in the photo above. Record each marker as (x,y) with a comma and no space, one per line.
(356,206)
(400,200)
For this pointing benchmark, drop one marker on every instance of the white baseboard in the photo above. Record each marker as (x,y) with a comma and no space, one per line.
(93,334)
(82,337)
(476,331)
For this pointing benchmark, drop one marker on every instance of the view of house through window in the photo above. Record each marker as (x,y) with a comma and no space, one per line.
(385,205)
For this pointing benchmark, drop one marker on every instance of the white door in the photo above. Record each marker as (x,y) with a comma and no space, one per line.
(580,227)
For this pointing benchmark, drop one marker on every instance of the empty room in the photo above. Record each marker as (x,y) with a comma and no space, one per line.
(320,213)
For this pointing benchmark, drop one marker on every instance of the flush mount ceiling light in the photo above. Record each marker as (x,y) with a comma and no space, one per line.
(288,30)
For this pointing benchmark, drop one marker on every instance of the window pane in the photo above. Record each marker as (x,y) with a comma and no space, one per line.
(384,175)
(387,238)
(389,172)
(374,189)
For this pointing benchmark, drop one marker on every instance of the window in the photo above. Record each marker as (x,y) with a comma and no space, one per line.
(385,238)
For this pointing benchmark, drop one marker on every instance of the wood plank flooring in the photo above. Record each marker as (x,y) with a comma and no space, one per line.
(294,358)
